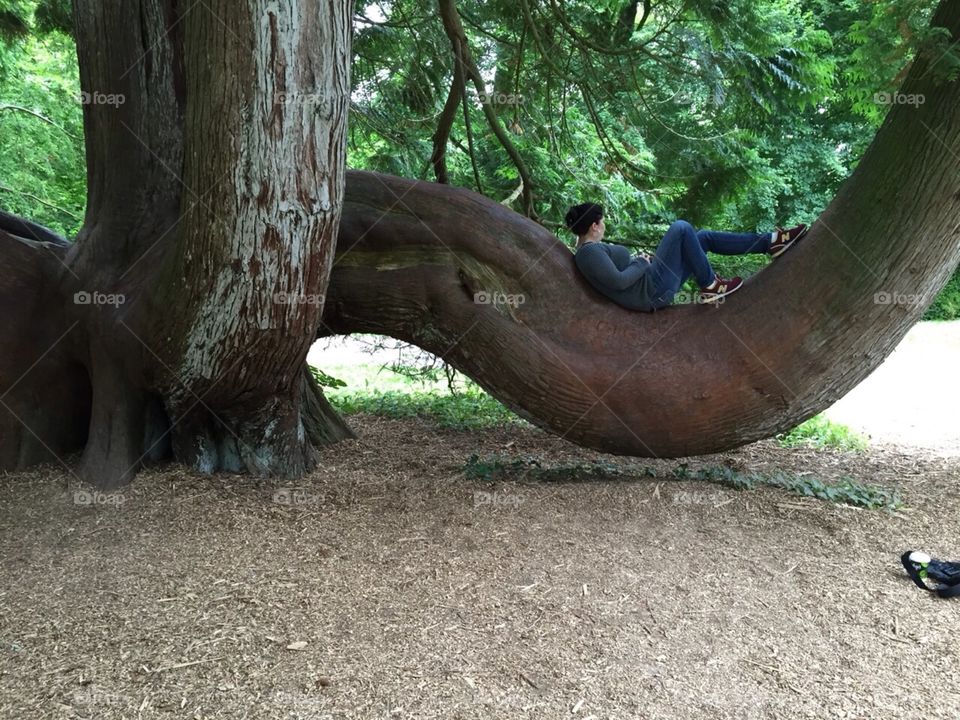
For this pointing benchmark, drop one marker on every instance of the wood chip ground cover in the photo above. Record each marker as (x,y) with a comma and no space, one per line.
(387,585)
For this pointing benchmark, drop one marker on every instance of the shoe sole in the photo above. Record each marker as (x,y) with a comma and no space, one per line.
(720,296)
(786,247)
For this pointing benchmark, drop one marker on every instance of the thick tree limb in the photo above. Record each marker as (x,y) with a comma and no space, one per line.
(690,379)
(30,230)
(44,391)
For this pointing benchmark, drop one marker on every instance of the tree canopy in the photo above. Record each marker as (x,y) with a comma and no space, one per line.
(736,115)
(739,114)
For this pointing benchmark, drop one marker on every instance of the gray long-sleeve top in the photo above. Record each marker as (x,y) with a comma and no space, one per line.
(614,272)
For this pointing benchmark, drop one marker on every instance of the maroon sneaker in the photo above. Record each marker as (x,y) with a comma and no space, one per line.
(785,238)
(720,288)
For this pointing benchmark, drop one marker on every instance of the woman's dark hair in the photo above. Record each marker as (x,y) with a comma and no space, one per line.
(580,217)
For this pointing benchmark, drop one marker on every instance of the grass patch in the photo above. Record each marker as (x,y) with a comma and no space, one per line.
(846,490)
(820,432)
(470,409)
(947,304)
(399,392)
(473,408)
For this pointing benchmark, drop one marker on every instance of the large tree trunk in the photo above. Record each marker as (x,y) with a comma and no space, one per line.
(410,260)
(44,391)
(215,151)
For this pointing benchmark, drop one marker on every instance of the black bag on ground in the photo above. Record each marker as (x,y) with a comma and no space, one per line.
(944,575)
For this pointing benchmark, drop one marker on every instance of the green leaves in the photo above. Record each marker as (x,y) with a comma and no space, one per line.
(884,43)
(846,490)
(13,24)
(698,115)
(54,16)
(47,16)
(42,173)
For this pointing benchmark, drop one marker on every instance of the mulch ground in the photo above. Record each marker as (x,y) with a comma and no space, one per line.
(387,585)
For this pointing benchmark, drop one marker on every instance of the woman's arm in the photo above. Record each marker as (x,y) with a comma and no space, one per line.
(622,257)
(597,267)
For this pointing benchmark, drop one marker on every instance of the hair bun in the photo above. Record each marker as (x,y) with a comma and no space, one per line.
(579,218)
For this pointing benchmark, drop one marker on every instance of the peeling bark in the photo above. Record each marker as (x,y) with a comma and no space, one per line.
(215,139)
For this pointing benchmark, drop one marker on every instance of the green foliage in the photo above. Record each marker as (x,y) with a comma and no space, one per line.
(326,381)
(846,490)
(13,20)
(468,410)
(42,171)
(947,304)
(820,432)
(54,16)
(637,131)
(499,467)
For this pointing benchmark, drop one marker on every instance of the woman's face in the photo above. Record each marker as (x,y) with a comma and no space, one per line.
(601,228)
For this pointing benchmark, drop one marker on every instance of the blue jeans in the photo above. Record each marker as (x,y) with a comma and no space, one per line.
(683,252)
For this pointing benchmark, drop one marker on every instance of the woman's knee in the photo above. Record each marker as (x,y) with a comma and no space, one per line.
(682,227)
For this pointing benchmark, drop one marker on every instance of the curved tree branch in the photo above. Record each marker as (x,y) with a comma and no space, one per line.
(587,44)
(458,39)
(28,230)
(449,113)
(690,379)
(468,125)
(478,26)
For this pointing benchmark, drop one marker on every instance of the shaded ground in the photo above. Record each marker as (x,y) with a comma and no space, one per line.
(401,594)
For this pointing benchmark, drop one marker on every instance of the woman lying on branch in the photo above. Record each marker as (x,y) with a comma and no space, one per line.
(648,283)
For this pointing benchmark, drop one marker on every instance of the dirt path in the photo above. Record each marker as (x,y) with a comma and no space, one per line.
(386,585)
(912,399)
